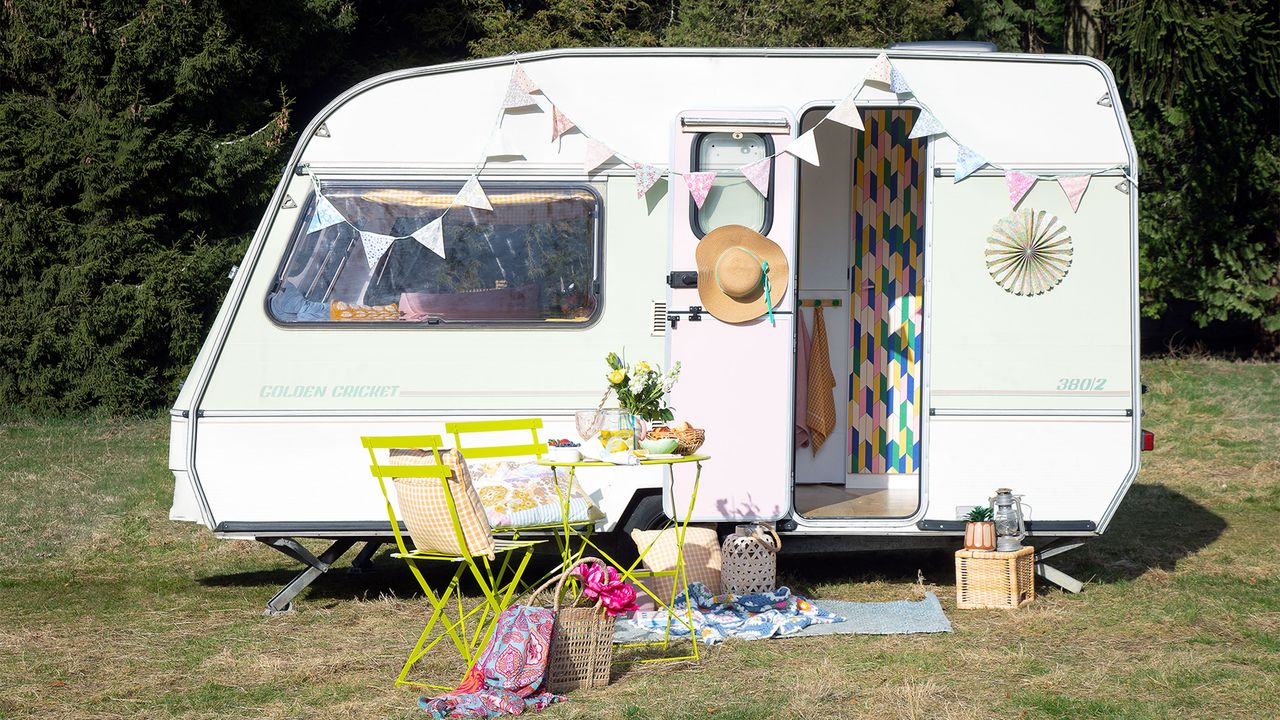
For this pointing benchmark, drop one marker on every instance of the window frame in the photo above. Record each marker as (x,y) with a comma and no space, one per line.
(695,152)
(451,186)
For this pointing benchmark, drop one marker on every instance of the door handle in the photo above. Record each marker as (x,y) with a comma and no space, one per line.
(683,279)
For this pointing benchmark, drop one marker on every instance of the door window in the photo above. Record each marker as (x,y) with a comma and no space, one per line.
(733,200)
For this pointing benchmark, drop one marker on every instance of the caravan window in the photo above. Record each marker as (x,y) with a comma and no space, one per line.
(533,259)
(732,200)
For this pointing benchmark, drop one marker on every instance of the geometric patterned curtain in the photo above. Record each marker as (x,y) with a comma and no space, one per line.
(886,294)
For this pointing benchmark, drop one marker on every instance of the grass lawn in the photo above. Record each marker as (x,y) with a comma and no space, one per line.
(108,609)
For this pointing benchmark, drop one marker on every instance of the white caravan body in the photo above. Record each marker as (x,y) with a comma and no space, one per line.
(1037,393)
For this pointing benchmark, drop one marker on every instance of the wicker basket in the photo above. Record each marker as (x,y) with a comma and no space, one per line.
(995,580)
(581,653)
(689,440)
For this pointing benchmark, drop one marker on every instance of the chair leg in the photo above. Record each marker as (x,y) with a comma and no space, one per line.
(439,604)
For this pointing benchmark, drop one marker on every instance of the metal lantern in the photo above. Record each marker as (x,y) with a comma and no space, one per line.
(1006,511)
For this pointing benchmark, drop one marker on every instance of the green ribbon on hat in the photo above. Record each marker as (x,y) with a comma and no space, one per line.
(764,274)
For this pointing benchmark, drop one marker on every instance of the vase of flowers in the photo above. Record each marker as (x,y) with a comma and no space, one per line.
(641,389)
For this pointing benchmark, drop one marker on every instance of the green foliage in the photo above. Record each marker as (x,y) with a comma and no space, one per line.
(980,513)
(817,23)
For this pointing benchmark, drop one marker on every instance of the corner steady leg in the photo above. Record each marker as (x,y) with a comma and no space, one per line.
(1053,574)
(316,566)
(363,561)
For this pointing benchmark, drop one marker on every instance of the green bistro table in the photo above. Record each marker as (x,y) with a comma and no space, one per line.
(631,572)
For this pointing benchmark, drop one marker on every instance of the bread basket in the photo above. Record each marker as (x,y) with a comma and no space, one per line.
(690,439)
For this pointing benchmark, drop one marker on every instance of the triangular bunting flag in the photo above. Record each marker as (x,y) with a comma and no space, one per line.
(1019,185)
(646,176)
(967,161)
(597,153)
(431,236)
(560,123)
(847,113)
(499,146)
(375,244)
(898,83)
(472,195)
(926,125)
(804,147)
(521,79)
(1074,186)
(758,173)
(881,71)
(699,184)
(517,94)
(326,214)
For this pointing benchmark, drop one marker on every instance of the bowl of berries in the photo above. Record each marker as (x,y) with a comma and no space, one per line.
(564,451)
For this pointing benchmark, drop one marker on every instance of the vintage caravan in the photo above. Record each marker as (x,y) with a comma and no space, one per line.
(470,240)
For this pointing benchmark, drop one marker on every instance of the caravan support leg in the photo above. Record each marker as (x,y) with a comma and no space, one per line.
(316,566)
(363,561)
(1053,574)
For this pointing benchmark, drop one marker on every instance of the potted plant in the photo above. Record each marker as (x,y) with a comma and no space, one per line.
(979,529)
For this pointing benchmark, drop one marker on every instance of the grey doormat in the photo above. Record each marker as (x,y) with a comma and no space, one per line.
(899,617)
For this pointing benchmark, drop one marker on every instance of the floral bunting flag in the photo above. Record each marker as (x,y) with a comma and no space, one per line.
(472,195)
(847,113)
(898,83)
(926,125)
(518,91)
(1019,185)
(521,79)
(597,153)
(967,161)
(431,236)
(699,184)
(1074,186)
(881,70)
(326,214)
(560,123)
(758,174)
(804,147)
(375,245)
(646,176)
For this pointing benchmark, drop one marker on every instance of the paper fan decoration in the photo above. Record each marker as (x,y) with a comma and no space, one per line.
(1029,252)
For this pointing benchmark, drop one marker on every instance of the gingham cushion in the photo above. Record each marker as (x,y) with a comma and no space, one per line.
(701,557)
(425,512)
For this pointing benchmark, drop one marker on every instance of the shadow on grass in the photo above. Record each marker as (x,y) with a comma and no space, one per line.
(1154,528)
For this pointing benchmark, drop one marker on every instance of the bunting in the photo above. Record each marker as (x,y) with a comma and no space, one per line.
(499,146)
(699,184)
(597,153)
(1019,185)
(646,176)
(881,71)
(431,236)
(472,195)
(847,113)
(926,125)
(1074,186)
(898,83)
(967,162)
(804,147)
(518,90)
(757,173)
(375,245)
(560,123)
(325,215)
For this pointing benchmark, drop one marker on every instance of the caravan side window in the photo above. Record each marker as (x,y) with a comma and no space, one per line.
(732,200)
(533,260)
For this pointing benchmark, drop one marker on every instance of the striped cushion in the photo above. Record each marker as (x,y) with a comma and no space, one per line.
(702,557)
(423,508)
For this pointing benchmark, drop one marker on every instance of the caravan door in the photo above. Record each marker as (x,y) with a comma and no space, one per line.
(736,381)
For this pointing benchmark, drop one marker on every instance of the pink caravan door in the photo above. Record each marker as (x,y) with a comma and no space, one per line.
(736,377)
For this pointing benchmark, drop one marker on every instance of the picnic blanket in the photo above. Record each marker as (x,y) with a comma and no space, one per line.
(749,617)
(508,676)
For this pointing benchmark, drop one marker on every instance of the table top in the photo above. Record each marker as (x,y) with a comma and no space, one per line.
(599,463)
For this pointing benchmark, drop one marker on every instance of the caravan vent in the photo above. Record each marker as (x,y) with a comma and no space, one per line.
(659,327)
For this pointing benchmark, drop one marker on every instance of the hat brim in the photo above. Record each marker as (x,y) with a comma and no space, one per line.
(749,307)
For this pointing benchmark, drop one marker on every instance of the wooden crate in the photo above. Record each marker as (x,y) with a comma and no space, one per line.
(997,580)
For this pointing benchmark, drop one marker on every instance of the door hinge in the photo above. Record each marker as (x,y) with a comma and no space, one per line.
(694,312)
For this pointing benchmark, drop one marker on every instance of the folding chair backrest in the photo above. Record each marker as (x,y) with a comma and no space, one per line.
(511,429)
(464,514)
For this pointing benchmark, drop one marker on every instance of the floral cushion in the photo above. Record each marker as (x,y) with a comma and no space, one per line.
(523,494)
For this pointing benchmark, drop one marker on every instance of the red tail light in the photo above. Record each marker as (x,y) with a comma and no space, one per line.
(1148,441)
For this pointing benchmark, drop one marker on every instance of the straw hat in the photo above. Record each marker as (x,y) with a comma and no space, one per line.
(735,264)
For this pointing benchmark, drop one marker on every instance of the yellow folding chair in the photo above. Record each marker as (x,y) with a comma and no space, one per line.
(466,432)
(446,543)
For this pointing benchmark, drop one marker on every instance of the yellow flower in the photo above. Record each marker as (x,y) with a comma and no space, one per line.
(616,377)
(642,367)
